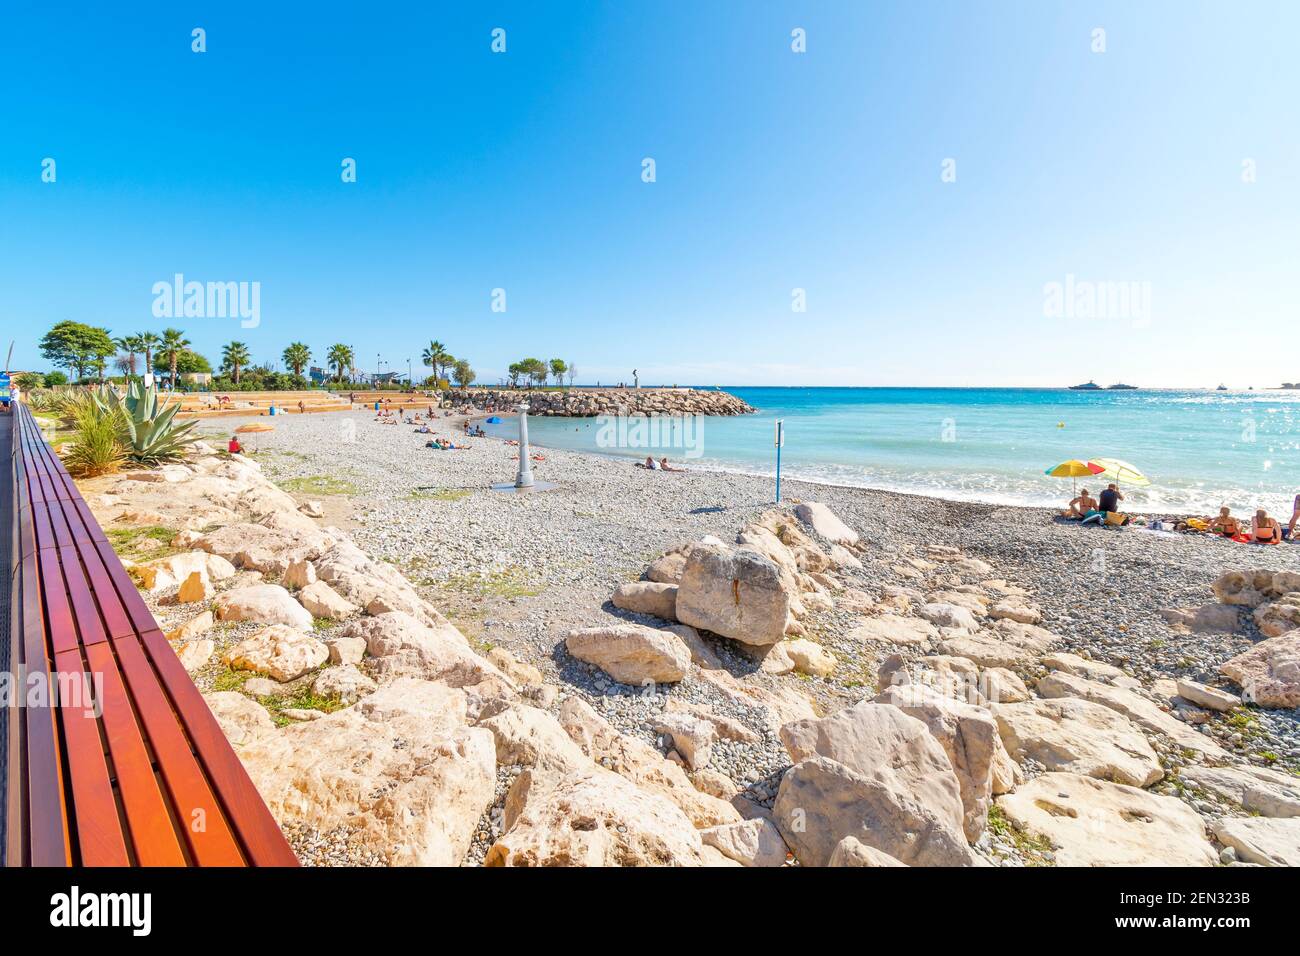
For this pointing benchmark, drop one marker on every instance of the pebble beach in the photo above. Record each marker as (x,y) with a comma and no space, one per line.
(520,570)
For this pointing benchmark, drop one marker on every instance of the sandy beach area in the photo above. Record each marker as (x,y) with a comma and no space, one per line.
(519,571)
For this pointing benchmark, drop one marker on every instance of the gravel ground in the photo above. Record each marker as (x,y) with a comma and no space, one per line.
(520,570)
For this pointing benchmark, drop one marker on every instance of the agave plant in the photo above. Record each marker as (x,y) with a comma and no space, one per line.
(149,430)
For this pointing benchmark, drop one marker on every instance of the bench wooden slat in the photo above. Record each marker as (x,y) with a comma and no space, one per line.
(260,834)
(58,609)
(136,609)
(117,621)
(100,841)
(93,530)
(85,609)
(48,842)
(210,839)
(153,832)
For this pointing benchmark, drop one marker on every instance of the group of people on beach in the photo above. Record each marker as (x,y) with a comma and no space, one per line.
(1097,510)
(1263,528)
(661,465)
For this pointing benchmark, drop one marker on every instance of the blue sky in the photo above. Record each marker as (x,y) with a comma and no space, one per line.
(775,171)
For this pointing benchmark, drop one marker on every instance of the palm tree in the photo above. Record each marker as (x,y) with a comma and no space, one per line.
(172,344)
(339,357)
(132,345)
(149,342)
(436,357)
(296,356)
(234,357)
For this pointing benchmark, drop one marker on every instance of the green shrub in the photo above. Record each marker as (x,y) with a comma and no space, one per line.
(96,446)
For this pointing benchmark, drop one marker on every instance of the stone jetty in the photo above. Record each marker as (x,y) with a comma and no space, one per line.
(588,402)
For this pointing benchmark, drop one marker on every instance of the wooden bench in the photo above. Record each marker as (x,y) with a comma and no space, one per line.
(129,767)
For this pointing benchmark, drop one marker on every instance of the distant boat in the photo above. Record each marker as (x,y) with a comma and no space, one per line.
(1222,388)
(1090,386)
(1121,387)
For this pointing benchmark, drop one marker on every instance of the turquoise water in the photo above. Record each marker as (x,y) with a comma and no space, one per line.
(1200,449)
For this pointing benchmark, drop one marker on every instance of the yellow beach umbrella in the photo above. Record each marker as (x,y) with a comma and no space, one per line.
(1120,472)
(1072,469)
(254,428)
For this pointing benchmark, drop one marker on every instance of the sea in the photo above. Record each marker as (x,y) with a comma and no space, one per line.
(1199,449)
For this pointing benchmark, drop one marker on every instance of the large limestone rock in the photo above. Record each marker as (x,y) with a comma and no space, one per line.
(529,737)
(241,719)
(1089,668)
(264,603)
(823,521)
(321,600)
(851,852)
(895,629)
(1259,791)
(632,653)
(1078,736)
(347,683)
(402,645)
(280,652)
(647,597)
(168,572)
(951,616)
(196,626)
(1262,840)
(1010,645)
(194,589)
(299,574)
(873,772)
(1269,673)
(668,568)
(194,654)
(1138,709)
(822,801)
(592,817)
(598,739)
(1208,618)
(1277,617)
(373,585)
(734,592)
(400,773)
(1016,609)
(1202,695)
(1096,823)
(968,736)
(1252,588)
(809,657)
(755,842)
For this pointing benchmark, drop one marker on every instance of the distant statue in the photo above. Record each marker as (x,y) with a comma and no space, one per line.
(636,381)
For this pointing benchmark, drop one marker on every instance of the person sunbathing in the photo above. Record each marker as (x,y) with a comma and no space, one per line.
(1080,507)
(664,466)
(1225,524)
(1295,516)
(1265,530)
